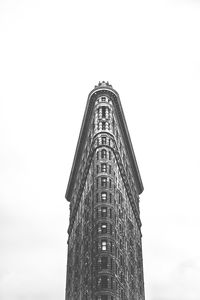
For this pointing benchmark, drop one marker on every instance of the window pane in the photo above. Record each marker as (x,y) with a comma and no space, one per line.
(103,196)
(103,153)
(104,140)
(104,181)
(104,212)
(103,228)
(103,111)
(104,245)
(103,168)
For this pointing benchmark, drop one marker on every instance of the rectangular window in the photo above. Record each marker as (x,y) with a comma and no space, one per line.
(103,228)
(103,140)
(97,198)
(109,169)
(103,167)
(103,127)
(104,282)
(104,262)
(104,181)
(103,245)
(111,283)
(110,183)
(97,169)
(110,198)
(97,182)
(110,213)
(103,111)
(104,297)
(103,196)
(104,212)
(110,155)
(97,155)
(103,153)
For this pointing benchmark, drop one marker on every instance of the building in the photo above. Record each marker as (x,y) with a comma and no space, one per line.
(104,245)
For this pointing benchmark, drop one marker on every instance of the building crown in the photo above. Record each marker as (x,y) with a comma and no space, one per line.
(103,84)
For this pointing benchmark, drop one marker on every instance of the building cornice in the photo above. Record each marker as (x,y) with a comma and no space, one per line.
(94,94)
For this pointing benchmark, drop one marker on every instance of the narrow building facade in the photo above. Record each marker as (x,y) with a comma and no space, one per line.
(104,245)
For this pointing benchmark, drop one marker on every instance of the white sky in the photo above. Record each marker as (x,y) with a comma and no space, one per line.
(52,53)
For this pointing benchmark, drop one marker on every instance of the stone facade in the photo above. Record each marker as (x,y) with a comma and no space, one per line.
(104,245)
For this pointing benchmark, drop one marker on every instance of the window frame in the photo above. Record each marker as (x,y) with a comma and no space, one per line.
(104,182)
(104,211)
(104,245)
(104,228)
(103,196)
(104,168)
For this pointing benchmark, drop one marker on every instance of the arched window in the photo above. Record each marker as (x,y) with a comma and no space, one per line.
(103,153)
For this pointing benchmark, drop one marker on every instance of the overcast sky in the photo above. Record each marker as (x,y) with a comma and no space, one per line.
(52,53)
